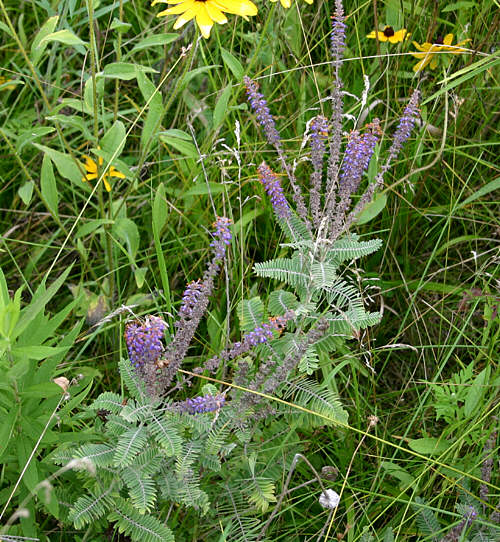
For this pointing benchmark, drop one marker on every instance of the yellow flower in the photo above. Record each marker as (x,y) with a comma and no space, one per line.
(207,12)
(429,50)
(91,168)
(287,3)
(388,34)
(4,80)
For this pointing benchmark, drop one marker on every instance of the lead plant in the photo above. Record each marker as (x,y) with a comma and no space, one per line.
(316,275)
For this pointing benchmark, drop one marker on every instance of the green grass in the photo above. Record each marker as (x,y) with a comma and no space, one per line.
(436,277)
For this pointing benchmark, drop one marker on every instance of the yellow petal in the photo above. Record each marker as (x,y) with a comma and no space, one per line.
(309,1)
(215,13)
(424,47)
(236,7)
(422,64)
(90,165)
(400,35)
(91,176)
(448,39)
(184,18)
(113,172)
(107,186)
(204,21)
(286,3)
(434,63)
(181,8)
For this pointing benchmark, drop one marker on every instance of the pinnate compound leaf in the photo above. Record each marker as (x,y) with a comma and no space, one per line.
(141,528)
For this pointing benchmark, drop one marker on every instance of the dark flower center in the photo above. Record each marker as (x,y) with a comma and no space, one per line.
(439,40)
(389,32)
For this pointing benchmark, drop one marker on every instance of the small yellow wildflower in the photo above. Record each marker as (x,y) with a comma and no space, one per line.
(429,50)
(287,3)
(91,168)
(389,34)
(207,12)
(3,81)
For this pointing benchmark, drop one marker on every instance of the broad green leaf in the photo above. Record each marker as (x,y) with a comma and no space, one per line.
(233,64)
(26,192)
(155,40)
(48,186)
(197,71)
(127,231)
(476,391)
(65,165)
(429,445)
(140,276)
(160,209)
(184,147)
(155,110)
(37,352)
(7,428)
(221,106)
(38,302)
(32,134)
(92,226)
(24,447)
(62,36)
(464,4)
(114,139)
(37,48)
(120,26)
(124,70)
(375,207)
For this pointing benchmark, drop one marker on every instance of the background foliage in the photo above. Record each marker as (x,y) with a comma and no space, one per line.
(168,111)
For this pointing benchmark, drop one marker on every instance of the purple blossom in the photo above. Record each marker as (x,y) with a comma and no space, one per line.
(357,156)
(201,404)
(222,236)
(144,341)
(261,109)
(338,33)
(264,332)
(406,124)
(274,190)
(190,297)
(319,134)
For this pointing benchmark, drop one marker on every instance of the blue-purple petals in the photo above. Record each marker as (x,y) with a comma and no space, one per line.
(357,156)
(144,341)
(261,109)
(222,236)
(190,298)
(274,190)
(264,332)
(406,124)
(201,404)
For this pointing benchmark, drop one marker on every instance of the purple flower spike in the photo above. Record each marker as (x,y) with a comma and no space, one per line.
(261,109)
(144,341)
(264,332)
(274,190)
(222,236)
(201,404)
(357,156)
(338,32)
(190,297)
(406,124)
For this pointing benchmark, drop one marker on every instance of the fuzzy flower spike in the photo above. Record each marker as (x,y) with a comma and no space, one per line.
(206,12)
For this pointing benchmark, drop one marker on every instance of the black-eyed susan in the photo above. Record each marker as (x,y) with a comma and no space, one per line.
(389,34)
(91,169)
(429,50)
(287,3)
(206,12)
